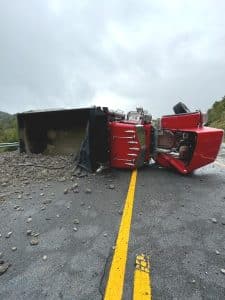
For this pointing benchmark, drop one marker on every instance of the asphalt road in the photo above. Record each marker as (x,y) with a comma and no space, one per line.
(173,222)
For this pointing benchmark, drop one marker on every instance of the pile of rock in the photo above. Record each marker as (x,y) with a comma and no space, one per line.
(22,168)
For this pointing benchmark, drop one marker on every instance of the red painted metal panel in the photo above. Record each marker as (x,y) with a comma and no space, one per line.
(125,146)
(182,121)
(208,142)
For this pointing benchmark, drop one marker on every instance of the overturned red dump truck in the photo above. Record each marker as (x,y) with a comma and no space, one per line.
(101,138)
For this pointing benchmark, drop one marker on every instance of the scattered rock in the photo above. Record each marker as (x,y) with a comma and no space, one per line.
(44,257)
(57,216)
(217,252)
(29,220)
(14,248)
(4,184)
(35,234)
(214,220)
(80,173)
(19,196)
(193,281)
(66,191)
(74,186)
(34,242)
(3,267)
(20,169)
(82,204)
(42,194)
(29,232)
(223,220)
(8,234)
(47,201)
(44,172)
(88,191)
(120,212)
(2,197)
(43,207)
(75,229)
(112,186)
(62,179)
(105,234)
(16,206)
(76,221)
(1,254)
(222,271)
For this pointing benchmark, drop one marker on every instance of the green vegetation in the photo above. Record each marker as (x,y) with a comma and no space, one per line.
(216,114)
(8,128)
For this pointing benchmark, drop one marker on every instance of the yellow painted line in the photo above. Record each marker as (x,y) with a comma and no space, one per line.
(142,284)
(219,164)
(114,287)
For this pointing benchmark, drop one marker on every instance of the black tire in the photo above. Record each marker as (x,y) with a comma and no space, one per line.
(180,108)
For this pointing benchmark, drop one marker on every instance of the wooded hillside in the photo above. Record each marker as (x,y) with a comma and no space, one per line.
(8,128)
(216,114)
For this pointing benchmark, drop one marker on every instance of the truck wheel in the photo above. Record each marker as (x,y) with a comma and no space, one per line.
(180,108)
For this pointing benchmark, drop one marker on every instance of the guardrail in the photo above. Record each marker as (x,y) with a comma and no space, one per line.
(8,145)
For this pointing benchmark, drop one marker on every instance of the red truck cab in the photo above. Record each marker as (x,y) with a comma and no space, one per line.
(180,141)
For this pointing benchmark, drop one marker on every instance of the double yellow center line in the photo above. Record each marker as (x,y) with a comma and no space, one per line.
(114,287)
(115,283)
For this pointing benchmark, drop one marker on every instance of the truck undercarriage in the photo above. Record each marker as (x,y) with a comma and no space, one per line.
(102,138)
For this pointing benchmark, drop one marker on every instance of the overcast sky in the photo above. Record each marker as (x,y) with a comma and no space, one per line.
(120,54)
